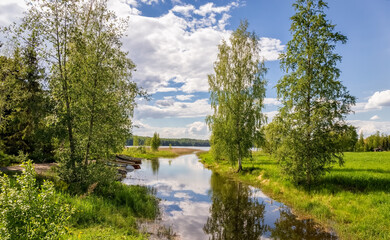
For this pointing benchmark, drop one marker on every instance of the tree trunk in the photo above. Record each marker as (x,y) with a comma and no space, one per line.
(63,73)
(239,164)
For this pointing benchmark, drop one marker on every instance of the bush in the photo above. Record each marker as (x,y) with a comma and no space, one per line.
(28,211)
(95,176)
(6,160)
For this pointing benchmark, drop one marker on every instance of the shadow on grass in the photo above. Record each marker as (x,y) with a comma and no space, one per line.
(336,184)
(360,170)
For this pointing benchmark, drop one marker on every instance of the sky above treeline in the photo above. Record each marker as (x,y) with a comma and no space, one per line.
(174,44)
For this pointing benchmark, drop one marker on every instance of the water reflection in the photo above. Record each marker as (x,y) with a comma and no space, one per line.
(235,213)
(155,166)
(289,227)
(200,204)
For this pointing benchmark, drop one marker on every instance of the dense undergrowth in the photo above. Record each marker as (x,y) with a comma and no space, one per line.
(353,200)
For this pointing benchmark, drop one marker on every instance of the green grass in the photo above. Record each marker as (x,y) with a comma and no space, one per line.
(111,217)
(354,200)
(149,154)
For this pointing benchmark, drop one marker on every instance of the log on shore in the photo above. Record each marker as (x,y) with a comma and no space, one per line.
(128,159)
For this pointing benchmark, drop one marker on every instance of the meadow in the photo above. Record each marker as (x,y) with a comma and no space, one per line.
(353,200)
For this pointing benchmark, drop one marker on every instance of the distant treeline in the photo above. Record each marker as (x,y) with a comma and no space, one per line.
(376,142)
(145,141)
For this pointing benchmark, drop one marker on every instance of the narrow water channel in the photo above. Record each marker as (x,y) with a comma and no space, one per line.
(200,204)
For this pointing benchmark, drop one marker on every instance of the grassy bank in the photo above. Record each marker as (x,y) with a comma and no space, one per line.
(354,200)
(110,217)
(147,153)
(105,213)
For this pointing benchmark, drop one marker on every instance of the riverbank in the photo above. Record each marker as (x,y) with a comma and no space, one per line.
(353,200)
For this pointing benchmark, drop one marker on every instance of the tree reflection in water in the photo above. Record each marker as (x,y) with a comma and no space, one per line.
(289,227)
(155,165)
(235,212)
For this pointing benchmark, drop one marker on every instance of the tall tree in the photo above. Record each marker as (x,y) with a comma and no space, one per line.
(314,101)
(54,21)
(237,92)
(24,104)
(89,78)
(102,74)
(155,142)
(360,143)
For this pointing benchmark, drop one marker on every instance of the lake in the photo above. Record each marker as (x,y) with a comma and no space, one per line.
(200,204)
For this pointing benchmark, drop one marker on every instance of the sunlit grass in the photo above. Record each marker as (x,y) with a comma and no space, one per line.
(354,200)
(112,216)
(148,153)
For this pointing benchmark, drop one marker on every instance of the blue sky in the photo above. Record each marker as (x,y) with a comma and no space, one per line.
(174,44)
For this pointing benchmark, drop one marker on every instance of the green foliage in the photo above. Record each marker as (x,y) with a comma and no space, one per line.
(360,143)
(89,78)
(309,125)
(348,139)
(237,92)
(28,211)
(112,212)
(135,141)
(93,177)
(375,142)
(24,105)
(155,142)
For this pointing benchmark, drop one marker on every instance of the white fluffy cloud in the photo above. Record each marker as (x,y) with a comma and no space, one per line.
(271,101)
(379,100)
(165,51)
(186,10)
(168,108)
(370,127)
(375,117)
(11,11)
(150,2)
(270,48)
(124,8)
(184,97)
(196,130)
(181,46)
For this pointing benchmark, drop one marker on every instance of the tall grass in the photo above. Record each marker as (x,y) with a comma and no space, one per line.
(112,216)
(354,200)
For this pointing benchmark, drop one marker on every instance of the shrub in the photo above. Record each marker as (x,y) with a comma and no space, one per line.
(28,211)
(91,177)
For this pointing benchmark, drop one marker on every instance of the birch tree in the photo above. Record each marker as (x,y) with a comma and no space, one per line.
(237,91)
(314,102)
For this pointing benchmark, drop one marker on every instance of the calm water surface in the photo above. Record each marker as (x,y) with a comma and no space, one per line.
(200,204)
